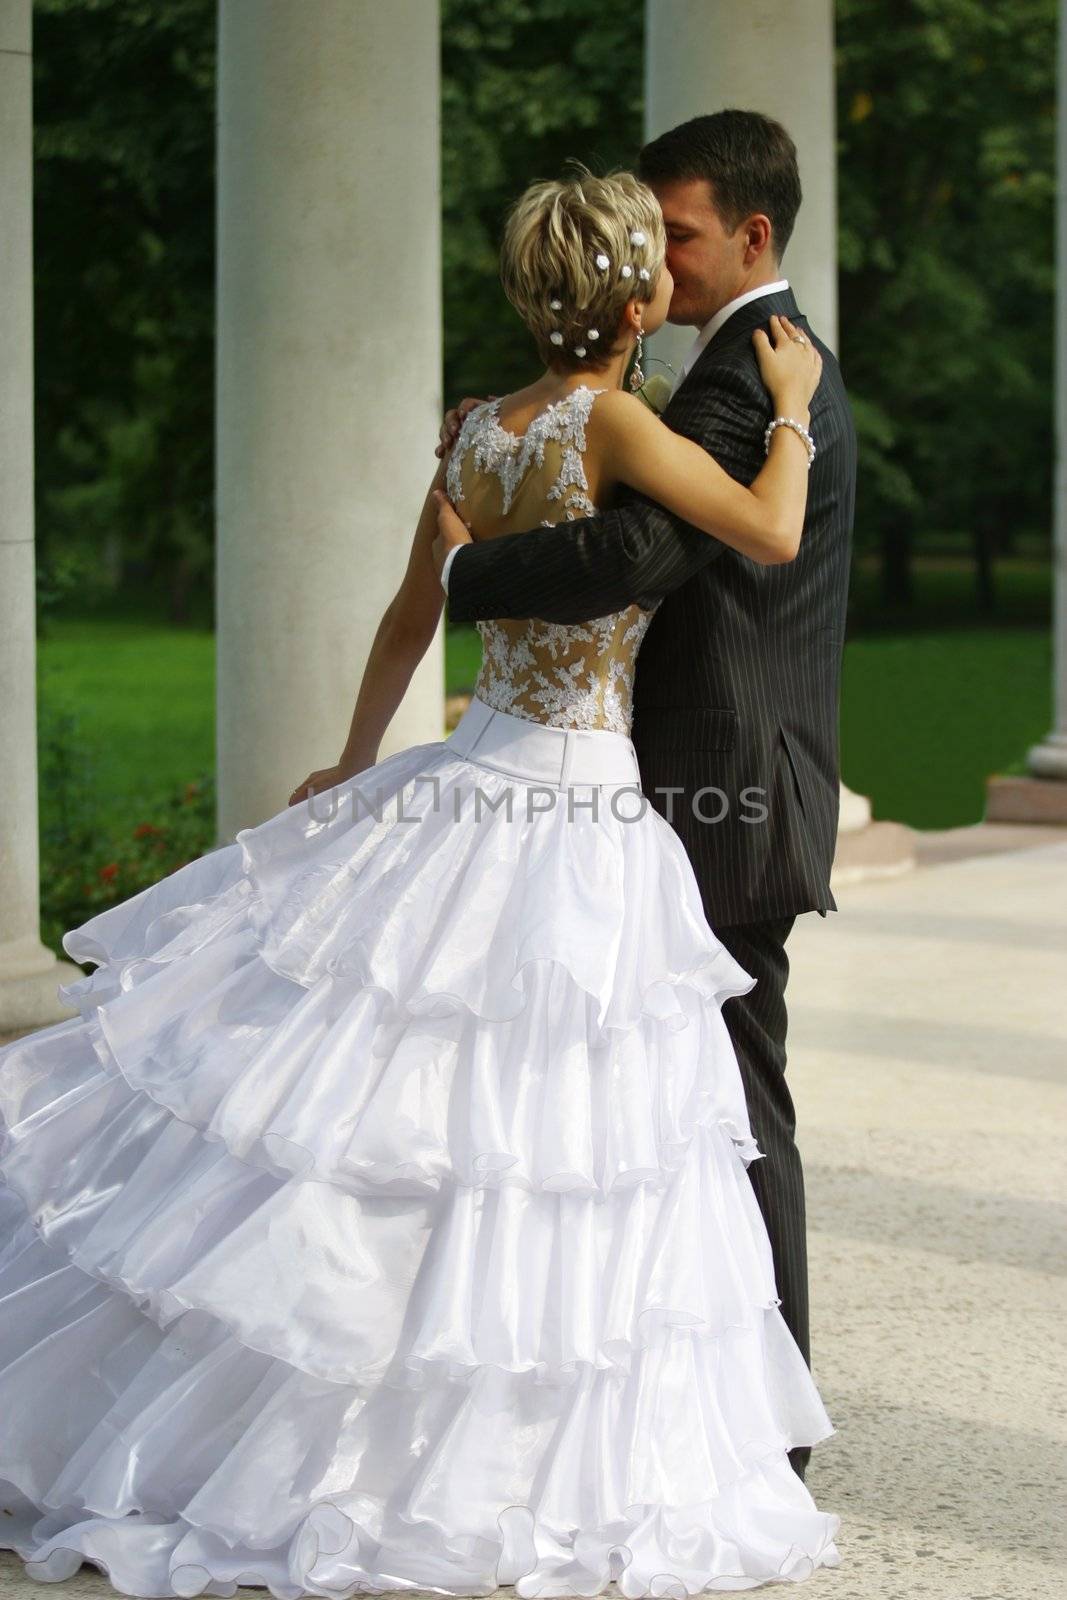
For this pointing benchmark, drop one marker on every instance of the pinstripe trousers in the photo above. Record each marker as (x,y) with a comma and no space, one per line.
(757,1025)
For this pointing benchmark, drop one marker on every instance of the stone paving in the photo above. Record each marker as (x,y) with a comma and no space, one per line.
(928,1061)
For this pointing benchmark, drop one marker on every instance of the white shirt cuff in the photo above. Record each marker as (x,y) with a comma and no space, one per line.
(451,556)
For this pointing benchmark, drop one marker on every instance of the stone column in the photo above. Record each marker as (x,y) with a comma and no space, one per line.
(1049,758)
(329,373)
(774,56)
(29,972)
(1042,795)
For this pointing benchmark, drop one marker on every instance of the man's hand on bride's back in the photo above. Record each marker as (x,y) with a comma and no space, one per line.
(451,530)
(790,366)
(454,420)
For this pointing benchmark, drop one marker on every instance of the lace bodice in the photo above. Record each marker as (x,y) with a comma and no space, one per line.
(567,675)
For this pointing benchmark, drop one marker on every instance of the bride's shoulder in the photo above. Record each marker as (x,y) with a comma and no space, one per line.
(617,415)
(616,402)
(620,403)
(616,436)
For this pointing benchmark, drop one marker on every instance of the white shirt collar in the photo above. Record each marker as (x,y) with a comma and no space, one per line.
(711,328)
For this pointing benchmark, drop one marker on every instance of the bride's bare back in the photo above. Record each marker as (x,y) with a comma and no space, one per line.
(565,675)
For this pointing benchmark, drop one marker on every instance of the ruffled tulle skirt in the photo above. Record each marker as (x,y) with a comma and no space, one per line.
(382,1219)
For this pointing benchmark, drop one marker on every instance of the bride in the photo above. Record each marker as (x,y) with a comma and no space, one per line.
(382,1219)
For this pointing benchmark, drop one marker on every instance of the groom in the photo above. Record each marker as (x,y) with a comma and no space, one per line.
(737,680)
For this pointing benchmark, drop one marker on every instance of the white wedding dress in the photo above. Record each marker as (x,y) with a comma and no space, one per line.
(382,1220)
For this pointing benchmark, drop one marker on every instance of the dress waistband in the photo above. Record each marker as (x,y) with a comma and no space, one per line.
(537,753)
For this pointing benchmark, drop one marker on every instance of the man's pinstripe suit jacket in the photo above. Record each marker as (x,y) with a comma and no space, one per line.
(737,681)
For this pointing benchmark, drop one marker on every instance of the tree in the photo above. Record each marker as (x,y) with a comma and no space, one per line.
(514,107)
(946,203)
(124,133)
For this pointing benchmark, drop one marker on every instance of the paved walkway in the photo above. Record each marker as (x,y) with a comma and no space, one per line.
(929,1066)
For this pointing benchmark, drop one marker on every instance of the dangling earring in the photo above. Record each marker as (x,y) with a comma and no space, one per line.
(637,377)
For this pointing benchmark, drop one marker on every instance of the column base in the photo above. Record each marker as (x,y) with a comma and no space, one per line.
(1023,799)
(30,974)
(854,811)
(868,849)
(880,850)
(1049,758)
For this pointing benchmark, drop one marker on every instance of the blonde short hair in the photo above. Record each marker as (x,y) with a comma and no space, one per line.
(556,233)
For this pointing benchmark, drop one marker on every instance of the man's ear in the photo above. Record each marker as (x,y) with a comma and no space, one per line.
(759,238)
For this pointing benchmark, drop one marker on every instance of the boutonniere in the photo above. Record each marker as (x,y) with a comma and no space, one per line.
(655,392)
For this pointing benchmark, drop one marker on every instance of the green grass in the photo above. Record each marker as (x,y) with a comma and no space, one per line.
(143,699)
(944,595)
(463,654)
(925,717)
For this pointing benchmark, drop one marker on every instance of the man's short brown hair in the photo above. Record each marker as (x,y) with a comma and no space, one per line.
(748,159)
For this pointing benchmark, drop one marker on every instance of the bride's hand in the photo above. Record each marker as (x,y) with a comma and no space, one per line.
(327,778)
(790,367)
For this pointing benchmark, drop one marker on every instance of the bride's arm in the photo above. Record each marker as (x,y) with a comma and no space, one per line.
(764,521)
(404,634)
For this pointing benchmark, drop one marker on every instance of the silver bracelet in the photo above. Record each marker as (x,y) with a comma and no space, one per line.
(790,422)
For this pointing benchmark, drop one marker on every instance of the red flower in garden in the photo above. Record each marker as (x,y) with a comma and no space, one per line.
(143,829)
(108,872)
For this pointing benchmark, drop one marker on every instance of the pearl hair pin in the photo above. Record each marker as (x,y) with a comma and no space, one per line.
(603,262)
